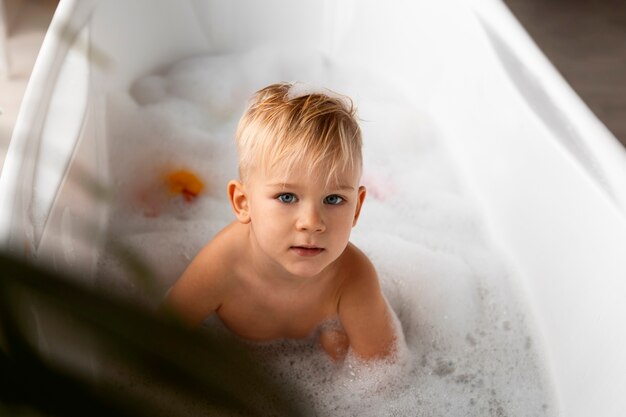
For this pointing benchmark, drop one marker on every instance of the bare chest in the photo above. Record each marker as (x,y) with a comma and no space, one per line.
(262,314)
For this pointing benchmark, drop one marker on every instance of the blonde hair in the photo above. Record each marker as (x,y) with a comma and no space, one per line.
(285,129)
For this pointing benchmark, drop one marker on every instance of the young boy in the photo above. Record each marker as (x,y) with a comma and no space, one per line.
(285,268)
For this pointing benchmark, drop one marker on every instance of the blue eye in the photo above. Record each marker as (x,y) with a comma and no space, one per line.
(333,200)
(287,198)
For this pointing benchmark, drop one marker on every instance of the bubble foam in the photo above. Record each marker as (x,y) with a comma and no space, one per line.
(470,349)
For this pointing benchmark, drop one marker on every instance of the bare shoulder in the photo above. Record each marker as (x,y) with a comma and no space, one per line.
(203,285)
(357,269)
(226,247)
(218,256)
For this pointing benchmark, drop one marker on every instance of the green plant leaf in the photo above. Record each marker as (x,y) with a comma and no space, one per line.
(70,350)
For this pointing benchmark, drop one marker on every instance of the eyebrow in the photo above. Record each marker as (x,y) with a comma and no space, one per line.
(286,185)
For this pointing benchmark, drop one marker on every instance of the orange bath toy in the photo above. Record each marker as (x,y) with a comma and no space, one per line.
(185,183)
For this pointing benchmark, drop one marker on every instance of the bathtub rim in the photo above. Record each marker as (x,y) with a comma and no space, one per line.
(607,151)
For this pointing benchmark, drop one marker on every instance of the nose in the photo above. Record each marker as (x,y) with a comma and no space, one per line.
(310,219)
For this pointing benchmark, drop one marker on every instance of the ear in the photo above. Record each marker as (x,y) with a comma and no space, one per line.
(360,198)
(239,201)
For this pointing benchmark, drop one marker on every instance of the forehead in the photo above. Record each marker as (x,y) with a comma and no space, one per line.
(301,176)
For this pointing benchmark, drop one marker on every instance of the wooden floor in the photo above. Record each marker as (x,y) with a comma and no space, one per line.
(586,42)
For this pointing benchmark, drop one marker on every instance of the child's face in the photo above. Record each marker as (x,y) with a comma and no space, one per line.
(299,221)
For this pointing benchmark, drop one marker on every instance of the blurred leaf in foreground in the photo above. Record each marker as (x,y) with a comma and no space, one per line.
(67,350)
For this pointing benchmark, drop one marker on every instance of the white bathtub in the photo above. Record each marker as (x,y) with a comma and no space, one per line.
(547,175)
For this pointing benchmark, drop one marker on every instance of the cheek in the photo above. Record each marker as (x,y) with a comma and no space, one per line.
(342,222)
(261,209)
(269,219)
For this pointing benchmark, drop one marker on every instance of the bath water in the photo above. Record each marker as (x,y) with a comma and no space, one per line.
(471,350)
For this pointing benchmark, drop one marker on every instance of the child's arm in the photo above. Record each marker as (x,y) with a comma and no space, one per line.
(199,291)
(364,313)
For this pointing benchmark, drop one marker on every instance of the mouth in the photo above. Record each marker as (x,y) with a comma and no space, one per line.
(306,250)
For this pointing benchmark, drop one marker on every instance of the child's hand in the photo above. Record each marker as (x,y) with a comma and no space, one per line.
(335,342)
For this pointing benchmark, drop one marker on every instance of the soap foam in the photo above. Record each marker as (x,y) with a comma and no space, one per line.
(470,351)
